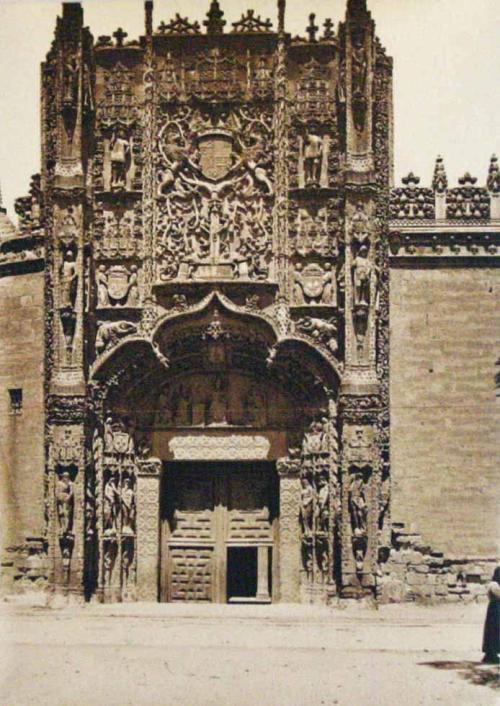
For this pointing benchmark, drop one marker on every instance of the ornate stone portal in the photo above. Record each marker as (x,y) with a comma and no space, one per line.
(216,269)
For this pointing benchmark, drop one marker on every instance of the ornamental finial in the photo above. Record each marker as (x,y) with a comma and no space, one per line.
(214,22)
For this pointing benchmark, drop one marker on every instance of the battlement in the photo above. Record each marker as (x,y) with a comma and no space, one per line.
(468,202)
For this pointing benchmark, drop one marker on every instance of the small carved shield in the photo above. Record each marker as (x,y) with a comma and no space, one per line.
(312,281)
(120,441)
(118,282)
(216,155)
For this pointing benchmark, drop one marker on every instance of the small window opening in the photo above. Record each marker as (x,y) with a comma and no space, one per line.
(16,401)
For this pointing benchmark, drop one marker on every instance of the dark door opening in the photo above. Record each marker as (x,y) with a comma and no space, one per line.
(241,572)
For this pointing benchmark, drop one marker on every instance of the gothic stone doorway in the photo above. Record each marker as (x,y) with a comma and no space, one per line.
(219,532)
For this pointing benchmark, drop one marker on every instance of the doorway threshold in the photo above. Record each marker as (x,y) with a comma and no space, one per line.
(249,599)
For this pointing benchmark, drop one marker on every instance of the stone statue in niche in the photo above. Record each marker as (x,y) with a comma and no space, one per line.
(314,284)
(359,64)
(128,507)
(183,412)
(313,159)
(359,72)
(307,498)
(254,408)
(111,505)
(71,76)
(68,280)
(110,332)
(65,500)
(322,508)
(217,408)
(117,286)
(363,274)
(68,287)
(358,506)
(120,157)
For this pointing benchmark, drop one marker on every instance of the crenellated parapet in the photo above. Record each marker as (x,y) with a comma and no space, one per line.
(459,221)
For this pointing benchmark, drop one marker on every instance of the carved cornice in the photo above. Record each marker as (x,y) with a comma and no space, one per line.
(444,240)
(67,409)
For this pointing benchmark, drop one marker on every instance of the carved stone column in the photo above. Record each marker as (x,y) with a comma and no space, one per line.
(148,528)
(289,530)
(65,494)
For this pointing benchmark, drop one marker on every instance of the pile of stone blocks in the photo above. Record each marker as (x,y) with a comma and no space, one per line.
(413,571)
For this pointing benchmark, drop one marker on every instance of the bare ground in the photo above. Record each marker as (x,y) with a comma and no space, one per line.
(280,655)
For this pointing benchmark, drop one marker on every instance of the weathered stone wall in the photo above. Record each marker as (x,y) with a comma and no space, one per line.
(445,342)
(21,436)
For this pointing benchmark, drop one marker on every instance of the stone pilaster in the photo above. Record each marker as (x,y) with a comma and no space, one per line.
(289,530)
(148,529)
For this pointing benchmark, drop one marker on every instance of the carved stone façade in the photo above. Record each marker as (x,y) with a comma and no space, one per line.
(214,216)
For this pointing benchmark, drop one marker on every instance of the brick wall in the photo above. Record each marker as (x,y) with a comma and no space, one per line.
(445,341)
(21,436)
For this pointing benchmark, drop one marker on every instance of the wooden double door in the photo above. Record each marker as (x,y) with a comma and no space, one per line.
(219,532)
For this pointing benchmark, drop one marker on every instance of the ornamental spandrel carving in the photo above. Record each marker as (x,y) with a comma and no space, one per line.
(215,195)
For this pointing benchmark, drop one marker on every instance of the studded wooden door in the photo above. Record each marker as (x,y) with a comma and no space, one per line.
(208,509)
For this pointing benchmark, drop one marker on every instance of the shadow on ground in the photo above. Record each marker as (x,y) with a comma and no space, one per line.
(474,672)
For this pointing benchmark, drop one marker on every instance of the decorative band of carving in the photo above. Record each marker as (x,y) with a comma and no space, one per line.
(220,448)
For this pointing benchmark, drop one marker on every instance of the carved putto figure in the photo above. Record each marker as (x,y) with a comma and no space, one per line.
(65,499)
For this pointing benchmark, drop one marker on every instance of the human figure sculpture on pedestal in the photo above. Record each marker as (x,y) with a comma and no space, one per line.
(65,498)
(313,158)
(120,153)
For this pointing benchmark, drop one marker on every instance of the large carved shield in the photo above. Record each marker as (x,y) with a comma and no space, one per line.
(216,154)
(118,281)
(312,281)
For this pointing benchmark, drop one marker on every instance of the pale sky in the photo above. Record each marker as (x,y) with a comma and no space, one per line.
(446,67)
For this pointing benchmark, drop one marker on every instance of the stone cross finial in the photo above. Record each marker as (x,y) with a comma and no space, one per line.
(312,28)
(214,22)
(148,16)
(439,180)
(119,35)
(281,15)
(329,31)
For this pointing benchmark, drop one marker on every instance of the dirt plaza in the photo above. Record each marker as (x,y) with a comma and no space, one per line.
(278,655)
